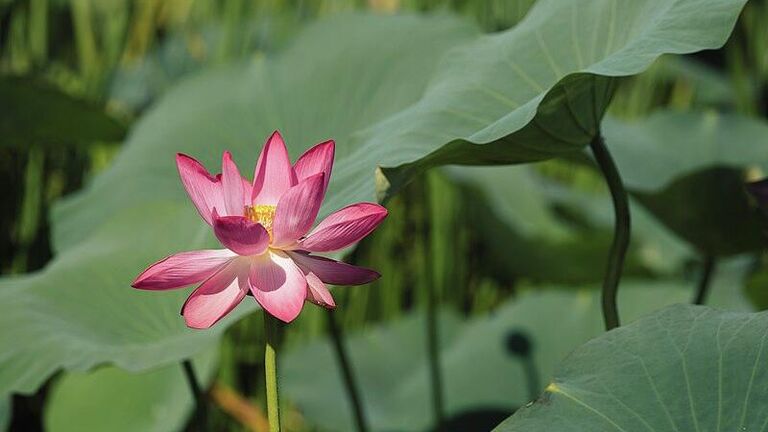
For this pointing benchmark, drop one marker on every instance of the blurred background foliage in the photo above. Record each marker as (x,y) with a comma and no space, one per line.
(503,246)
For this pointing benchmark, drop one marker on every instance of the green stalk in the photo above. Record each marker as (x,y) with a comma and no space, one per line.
(621,232)
(433,283)
(270,371)
(706,277)
(201,411)
(38,30)
(346,372)
(31,207)
(85,39)
(434,357)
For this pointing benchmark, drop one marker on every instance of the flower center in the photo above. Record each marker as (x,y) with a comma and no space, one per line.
(262,214)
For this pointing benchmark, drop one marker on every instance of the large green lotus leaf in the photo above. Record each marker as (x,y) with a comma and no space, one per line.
(684,368)
(688,170)
(713,211)
(657,247)
(478,370)
(527,237)
(521,203)
(67,317)
(111,399)
(560,59)
(522,237)
(370,82)
(708,85)
(34,112)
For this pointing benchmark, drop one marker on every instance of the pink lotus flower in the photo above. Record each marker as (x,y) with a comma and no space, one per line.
(264,227)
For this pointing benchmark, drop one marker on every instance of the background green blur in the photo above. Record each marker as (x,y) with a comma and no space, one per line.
(75,75)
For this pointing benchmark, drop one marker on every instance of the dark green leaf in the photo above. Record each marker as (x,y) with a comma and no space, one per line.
(34,112)
(684,368)
(5,412)
(688,169)
(523,236)
(84,319)
(532,225)
(711,210)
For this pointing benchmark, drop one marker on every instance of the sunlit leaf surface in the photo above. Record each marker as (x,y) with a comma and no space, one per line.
(110,399)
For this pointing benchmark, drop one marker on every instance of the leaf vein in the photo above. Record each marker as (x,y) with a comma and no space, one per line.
(550,60)
(588,407)
(527,78)
(751,382)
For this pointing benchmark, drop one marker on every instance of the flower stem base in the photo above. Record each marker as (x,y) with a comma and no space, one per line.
(271,329)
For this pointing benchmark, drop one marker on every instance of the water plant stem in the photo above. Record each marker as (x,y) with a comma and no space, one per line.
(201,405)
(350,385)
(433,338)
(437,232)
(271,327)
(621,232)
(702,290)
(531,378)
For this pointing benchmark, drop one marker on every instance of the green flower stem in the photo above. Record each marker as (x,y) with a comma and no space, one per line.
(621,232)
(438,232)
(702,290)
(531,378)
(433,354)
(346,372)
(201,405)
(270,370)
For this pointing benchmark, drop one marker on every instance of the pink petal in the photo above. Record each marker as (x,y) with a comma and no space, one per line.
(318,159)
(240,234)
(202,188)
(232,187)
(247,189)
(334,272)
(344,227)
(182,269)
(297,210)
(278,285)
(217,296)
(274,174)
(317,292)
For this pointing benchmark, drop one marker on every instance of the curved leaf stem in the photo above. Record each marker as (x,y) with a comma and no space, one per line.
(201,407)
(270,371)
(531,378)
(347,375)
(621,233)
(702,290)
